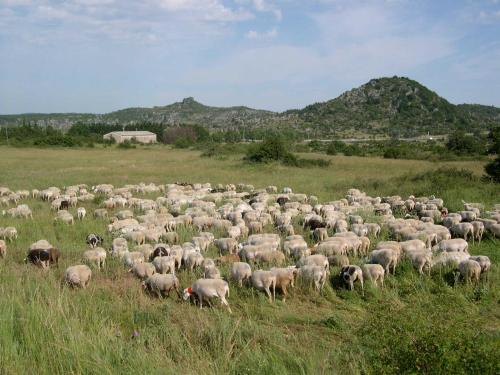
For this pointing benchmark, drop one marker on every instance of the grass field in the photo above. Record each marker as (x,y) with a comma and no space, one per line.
(414,325)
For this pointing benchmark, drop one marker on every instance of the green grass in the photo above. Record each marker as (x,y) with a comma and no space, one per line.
(415,325)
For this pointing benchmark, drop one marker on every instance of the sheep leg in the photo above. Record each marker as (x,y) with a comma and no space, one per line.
(268,292)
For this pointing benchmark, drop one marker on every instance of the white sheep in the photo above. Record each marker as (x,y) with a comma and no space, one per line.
(79,275)
(263,281)
(387,258)
(205,289)
(315,274)
(241,271)
(161,284)
(96,256)
(470,270)
(143,270)
(81,212)
(483,261)
(374,272)
(164,264)
(3,249)
(131,258)
(454,244)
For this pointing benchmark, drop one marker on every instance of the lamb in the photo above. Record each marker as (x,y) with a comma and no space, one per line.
(284,277)
(387,258)
(97,256)
(320,234)
(161,284)
(263,281)
(204,289)
(374,272)
(9,233)
(164,264)
(3,249)
(470,270)
(78,276)
(81,212)
(455,244)
(241,271)
(350,274)
(143,270)
(316,274)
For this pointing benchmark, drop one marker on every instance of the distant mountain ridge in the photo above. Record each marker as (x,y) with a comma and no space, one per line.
(383,106)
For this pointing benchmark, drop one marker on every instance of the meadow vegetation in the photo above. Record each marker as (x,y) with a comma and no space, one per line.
(415,324)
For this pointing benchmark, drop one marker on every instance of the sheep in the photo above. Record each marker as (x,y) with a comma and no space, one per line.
(478,230)
(241,271)
(452,258)
(204,289)
(229,258)
(161,284)
(79,275)
(338,260)
(470,270)
(81,212)
(316,274)
(483,261)
(171,237)
(165,264)
(296,247)
(146,250)
(132,258)
(210,271)
(97,256)
(320,234)
(226,245)
(420,259)
(464,230)
(119,247)
(314,260)
(100,213)
(270,257)
(139,237)
(374,272)
(176,252)
(143,270)
(263,281)
(193,260)
(350,274)
(412,245)
(332,247)
(455,244)
(9,233)
(284,277)
(3,249)
(387,258)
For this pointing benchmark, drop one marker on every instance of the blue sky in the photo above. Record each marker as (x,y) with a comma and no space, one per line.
(102,55)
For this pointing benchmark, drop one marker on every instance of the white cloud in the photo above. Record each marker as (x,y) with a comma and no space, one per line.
(252,34)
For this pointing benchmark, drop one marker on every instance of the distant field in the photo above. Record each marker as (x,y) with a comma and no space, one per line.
(415,325)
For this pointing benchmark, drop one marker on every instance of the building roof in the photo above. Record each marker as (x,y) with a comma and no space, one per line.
(131,133)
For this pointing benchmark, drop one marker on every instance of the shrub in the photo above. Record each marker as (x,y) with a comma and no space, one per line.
(126,145)
(183,142)
(271,149)
(492,170)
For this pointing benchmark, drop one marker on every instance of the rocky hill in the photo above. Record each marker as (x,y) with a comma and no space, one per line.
(385,106)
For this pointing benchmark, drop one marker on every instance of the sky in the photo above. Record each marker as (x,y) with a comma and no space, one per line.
(102,55)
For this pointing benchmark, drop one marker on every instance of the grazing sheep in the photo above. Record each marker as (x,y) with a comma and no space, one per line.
(78,276)
(96,256)
(315,274)
(454,244)
(483,261)
(205,289)
(229,258)
(172,238)
(81,212)
(100,213)
(139,237)
(263,281)
(161,284)
(226,245)
(143,270)
(374,272)
(193,260)
(164,264)
(3,249)
(421,259)
(119,247)
(470,270)
(478,230)
(464,230)
(387,258)
(131,258)
(241,271)
(452,258)
(338,260)
(284,277)
(350,274)
(270,257)
(314,260)
(320,234)
(9,233)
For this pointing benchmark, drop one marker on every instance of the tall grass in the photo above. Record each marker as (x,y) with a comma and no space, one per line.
(415,324)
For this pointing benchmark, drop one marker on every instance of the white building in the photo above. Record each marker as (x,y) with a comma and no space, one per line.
(139,136)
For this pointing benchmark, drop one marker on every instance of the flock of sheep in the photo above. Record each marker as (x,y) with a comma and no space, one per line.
(239,216)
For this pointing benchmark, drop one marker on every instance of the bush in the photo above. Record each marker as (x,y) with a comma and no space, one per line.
(461,143)
(126,145)
(492,170)
(183,142)
(332,148)
(271,149)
